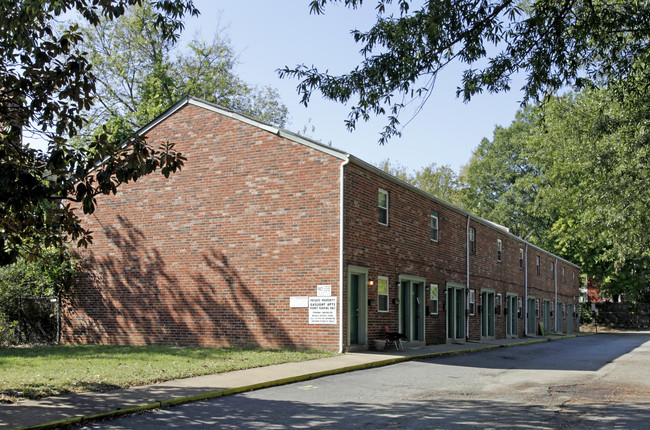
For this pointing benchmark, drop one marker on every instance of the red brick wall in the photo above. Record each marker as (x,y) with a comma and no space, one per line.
(211,255)
(404,247)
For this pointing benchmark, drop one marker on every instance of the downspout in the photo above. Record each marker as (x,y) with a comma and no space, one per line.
(467,282)
(526,294)
(555,303)
(341,237)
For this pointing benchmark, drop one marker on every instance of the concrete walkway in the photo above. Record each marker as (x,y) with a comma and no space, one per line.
(62,411)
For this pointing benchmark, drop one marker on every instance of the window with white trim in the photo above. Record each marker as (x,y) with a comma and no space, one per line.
(563,275)
(433,294)
(521,258)
(382,203)
(382,294)
(498,304)
(499,249)
(472,240)
(537,308)
(538,263)
(472,302)
(434,226)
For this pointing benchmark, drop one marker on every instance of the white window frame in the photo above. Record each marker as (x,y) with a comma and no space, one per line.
(380,208)
(499,250)
(521,258)
(434,301)
(435,219)
(499,305)
(536,308)
(379,309)
(472,240)
(472,302)
(539,262)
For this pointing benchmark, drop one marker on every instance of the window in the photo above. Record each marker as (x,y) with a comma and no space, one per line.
(434,226)
(499,249)
(472,302)
(538,264)
(521,258)
(521,306)
(433,291)
(383,207)
(552,270)
(563,275)
(498,304)
(537,308)
(563,311)
(382,294)
(472,241)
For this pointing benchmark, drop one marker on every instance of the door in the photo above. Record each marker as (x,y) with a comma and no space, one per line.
(530,316)
(559,324)
(569,318)
(511,315)
(411,309)
(455,308)
(546,312)
(357,307)
(486,310)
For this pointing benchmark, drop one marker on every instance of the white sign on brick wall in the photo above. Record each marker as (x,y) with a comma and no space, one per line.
(323,290)
(322,310)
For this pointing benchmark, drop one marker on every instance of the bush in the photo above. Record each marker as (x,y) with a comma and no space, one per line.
(586,313)
(50,275)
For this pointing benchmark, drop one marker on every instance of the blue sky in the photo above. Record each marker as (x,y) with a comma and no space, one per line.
(271,34)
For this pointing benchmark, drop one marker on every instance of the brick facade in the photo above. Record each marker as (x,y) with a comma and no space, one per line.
(212,255)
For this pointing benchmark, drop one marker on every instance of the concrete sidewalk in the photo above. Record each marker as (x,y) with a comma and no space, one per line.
(62,411)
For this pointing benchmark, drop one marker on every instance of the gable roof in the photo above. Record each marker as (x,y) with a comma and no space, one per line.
(189,100)
(289,135)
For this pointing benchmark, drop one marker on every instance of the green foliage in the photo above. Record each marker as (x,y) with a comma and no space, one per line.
(141,74)
(556,43)
(569,176)
(440,181)
(47,85)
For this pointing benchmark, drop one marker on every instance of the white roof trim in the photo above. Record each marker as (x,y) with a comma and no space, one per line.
(243,118)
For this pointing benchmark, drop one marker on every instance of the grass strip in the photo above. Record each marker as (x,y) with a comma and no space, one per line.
(37,372)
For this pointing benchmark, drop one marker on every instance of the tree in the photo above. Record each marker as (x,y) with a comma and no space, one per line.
(502,179)
(141,73)
(569,176)
(46,86)
(555,43)
(440,181)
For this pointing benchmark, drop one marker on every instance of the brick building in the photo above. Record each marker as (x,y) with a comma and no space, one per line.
(269,239)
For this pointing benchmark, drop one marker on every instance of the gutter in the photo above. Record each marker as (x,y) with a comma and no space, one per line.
(526,294)
(467,282)
(341,237)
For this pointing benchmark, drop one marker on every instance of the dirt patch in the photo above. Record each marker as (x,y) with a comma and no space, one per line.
(599,392)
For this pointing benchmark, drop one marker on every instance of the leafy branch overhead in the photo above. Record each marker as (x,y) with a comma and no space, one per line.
(46,86)
(555,43)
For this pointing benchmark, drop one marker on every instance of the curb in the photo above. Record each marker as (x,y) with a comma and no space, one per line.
(67,423)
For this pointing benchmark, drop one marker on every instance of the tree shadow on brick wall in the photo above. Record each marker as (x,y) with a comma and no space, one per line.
(131,296)
(254,323)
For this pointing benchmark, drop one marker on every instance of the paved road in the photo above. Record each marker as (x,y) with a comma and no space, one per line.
(589,382)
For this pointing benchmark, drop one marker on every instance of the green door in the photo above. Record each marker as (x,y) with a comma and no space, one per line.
(511,315)
(546,309)
(559,326)
(455,308)
(569,318)
(411,310)
(487,314)
(530,317)
(354,310)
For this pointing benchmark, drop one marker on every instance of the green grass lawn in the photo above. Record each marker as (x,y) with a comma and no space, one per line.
(36,372)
